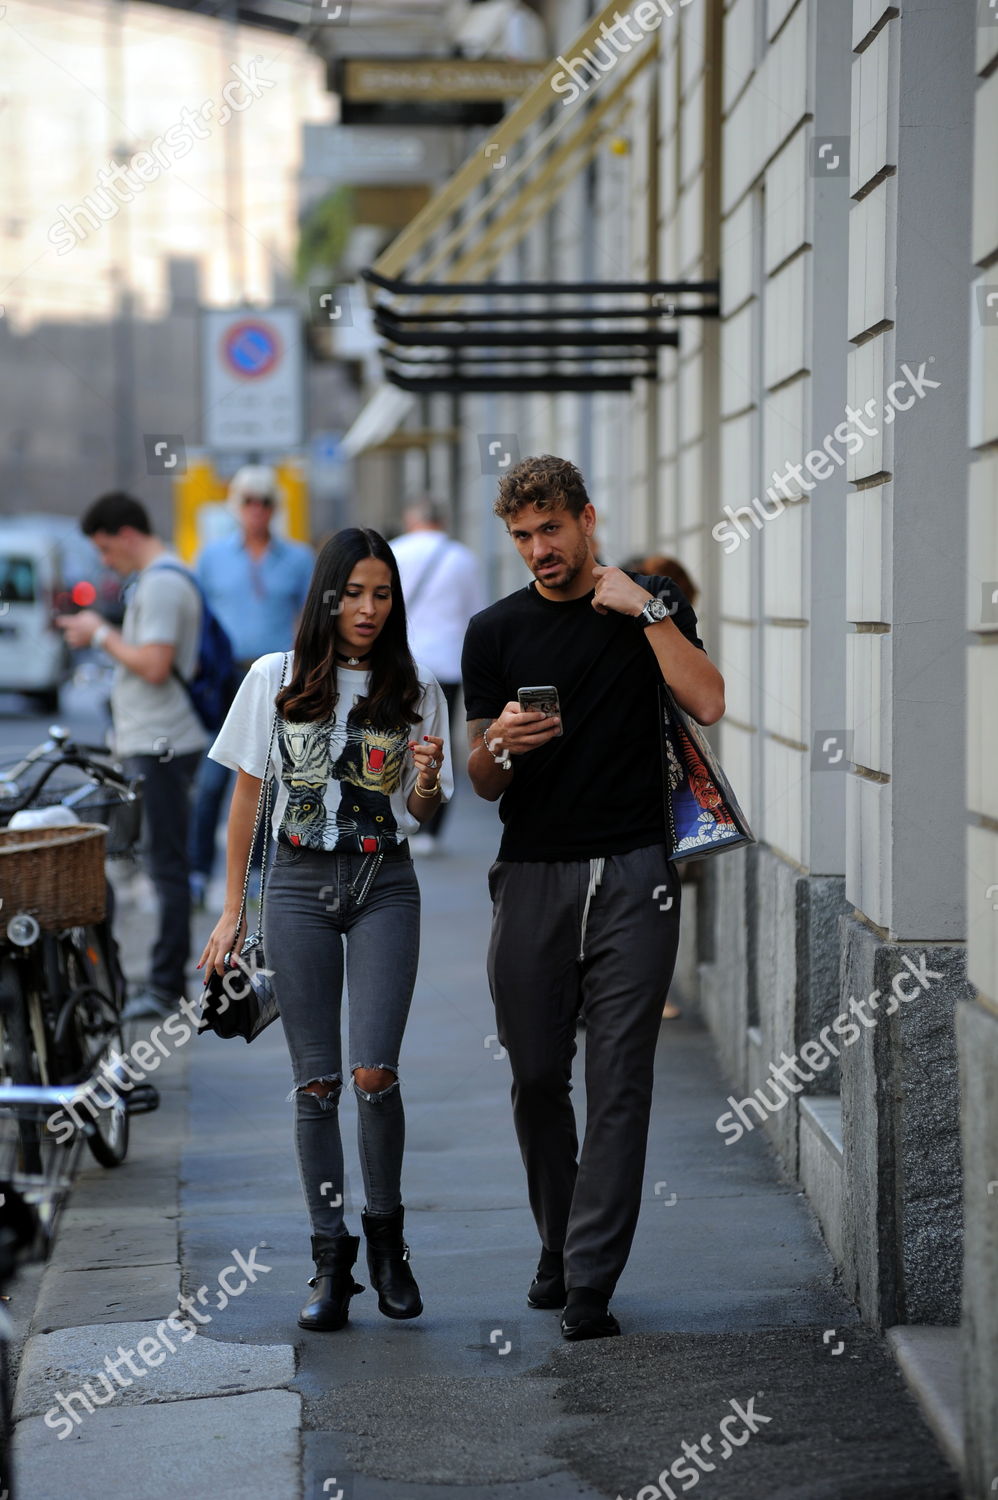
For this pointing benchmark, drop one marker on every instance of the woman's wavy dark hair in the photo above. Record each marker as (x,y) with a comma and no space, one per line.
(394,688)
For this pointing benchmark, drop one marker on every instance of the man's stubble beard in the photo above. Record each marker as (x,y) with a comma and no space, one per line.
(574,569)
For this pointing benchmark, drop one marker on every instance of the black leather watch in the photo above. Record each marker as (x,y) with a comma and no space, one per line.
(653,611)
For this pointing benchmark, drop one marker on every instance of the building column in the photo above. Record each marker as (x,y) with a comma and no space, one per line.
(910,223)
(977,1022)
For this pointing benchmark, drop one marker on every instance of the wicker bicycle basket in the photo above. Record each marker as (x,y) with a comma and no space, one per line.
(54,874)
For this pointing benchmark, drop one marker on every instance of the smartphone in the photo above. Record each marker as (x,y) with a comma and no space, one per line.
(543,700)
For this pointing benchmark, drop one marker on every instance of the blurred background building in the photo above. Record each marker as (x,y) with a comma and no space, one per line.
(739,261)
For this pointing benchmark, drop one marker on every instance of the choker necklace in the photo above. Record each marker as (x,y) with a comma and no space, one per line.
(351,661)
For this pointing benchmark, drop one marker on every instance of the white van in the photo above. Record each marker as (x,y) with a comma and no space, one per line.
(34,658)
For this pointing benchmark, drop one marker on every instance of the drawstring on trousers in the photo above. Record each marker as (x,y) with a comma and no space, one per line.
(595,877)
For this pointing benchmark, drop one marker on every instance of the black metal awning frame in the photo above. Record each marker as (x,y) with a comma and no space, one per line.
(450,339)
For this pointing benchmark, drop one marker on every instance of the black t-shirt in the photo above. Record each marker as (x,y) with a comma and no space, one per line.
(597,788)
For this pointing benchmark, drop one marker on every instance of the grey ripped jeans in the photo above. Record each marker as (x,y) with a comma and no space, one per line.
(309,909)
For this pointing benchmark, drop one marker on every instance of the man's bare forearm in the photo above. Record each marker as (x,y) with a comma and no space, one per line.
(697,684)
(487,777)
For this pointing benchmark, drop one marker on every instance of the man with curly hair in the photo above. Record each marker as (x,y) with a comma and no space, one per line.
(579,924)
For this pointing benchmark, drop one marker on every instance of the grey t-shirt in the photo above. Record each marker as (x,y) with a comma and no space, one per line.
(150,718)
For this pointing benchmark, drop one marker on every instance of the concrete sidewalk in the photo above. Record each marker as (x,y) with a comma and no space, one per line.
(729,1306)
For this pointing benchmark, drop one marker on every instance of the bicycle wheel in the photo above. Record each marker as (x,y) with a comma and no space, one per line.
(88,1034)
(18,1059)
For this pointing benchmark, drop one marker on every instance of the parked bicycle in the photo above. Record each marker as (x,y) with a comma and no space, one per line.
(62,991)
(62,988)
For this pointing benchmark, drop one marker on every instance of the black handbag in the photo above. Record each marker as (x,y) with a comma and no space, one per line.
(242,1002)
(701,811)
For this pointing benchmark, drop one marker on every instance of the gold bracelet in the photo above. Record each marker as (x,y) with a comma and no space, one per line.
(434,789)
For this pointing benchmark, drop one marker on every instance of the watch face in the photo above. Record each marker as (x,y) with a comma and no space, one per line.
(655,610)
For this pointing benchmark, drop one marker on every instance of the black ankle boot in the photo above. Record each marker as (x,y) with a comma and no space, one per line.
(548,1287)
(327,1308)
(387,1261)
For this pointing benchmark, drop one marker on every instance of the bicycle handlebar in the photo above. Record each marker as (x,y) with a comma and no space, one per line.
(65,752)
(57,742)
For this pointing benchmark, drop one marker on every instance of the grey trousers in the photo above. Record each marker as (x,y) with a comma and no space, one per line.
(589,937)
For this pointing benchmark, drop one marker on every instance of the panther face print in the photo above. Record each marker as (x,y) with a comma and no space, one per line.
(365,817)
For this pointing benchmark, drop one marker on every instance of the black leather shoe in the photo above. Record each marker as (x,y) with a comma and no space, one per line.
(587,1316)
(547,1290)
(388,1263)
(327,1308)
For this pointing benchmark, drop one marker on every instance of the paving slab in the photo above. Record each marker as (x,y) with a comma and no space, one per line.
(127,1234)
(70,1299)
(221,1448)
(146,1182)
(169,1365)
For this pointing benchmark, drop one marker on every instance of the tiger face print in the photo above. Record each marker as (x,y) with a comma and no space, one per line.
(305,817)
(373,758)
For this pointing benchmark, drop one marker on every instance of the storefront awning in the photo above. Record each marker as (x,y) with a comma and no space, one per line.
(377,420)
(609,336)
(520,186)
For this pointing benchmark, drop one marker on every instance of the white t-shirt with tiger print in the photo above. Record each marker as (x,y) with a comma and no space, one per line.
(341,784)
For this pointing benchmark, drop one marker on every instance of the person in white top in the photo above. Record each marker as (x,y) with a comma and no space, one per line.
(442,583)
(355,733)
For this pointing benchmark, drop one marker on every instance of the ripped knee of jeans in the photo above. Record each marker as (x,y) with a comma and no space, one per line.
(374,1084)
(325,1090)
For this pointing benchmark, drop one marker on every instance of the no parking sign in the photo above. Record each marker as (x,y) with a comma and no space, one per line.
(252,379)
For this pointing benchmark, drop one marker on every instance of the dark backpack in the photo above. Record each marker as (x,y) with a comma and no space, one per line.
(213,686)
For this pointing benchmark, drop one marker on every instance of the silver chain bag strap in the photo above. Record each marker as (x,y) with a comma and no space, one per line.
(242,1001)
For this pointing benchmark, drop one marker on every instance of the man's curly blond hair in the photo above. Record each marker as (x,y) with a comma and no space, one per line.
(546,482)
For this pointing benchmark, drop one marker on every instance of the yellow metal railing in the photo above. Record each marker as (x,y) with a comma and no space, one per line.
(515,197)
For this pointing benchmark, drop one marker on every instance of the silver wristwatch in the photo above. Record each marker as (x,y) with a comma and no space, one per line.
(653,611)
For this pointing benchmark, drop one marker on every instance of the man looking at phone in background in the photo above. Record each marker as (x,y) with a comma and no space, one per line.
(577,924)
(157,733)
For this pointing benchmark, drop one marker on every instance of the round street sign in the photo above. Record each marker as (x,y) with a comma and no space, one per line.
(251,348)
(252,375)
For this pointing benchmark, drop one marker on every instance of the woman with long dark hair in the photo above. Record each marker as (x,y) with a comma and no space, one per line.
(359,736)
